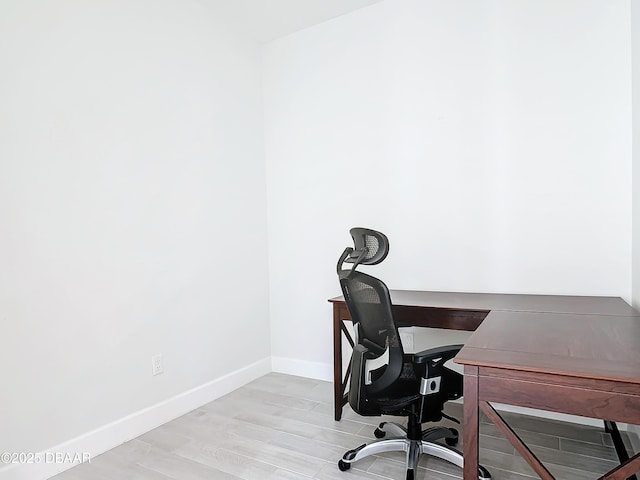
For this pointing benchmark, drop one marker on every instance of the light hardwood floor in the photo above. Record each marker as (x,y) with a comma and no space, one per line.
(282,427)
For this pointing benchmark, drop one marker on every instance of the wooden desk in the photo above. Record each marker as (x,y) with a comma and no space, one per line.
(575,355)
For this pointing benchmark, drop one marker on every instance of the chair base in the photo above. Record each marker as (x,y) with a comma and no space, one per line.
(413,448)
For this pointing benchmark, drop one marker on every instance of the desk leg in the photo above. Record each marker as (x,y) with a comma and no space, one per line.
(339,383)
(471,423)
(337,363)
(612,429)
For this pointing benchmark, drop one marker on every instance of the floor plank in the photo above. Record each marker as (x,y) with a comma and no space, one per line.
(281,427)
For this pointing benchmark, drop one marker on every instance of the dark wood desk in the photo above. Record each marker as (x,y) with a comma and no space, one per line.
(575,355)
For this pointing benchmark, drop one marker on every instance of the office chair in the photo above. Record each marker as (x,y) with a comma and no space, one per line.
(387,381)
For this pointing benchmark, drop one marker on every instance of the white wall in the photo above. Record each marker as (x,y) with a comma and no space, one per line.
(132,211)
(635,76)
(490,140)
(635,50)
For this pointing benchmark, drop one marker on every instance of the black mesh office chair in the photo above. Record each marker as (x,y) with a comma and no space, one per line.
(387,381)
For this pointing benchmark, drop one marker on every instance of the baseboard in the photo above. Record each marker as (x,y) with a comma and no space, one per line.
(116,433)
(303,368)
(532,412)
(562,417)
(324,371)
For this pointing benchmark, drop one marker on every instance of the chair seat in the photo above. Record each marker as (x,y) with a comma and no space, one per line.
(391,406)
(405,392)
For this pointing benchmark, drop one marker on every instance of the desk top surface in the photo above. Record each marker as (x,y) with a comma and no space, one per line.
(511,302)
(587,337)
(579,345)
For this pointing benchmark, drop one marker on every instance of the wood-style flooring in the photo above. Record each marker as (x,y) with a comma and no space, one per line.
(282,427)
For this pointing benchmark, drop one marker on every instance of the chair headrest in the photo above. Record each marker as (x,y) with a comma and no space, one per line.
(370,246)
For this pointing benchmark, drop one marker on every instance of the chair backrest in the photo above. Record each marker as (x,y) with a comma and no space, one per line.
(369,304)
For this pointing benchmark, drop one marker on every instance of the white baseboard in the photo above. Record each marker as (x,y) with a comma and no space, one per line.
(324,371)
(563,417)
(116,433)
(303,368)
(532,412)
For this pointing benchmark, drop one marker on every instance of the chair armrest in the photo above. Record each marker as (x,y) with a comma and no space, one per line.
(445,353)
(355,395)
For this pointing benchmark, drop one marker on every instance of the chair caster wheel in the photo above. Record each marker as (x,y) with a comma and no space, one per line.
(378,433)
(343,466)
(351,454)
(453,439)
(483,473)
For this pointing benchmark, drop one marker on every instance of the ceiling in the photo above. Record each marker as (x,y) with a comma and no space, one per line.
(266,20)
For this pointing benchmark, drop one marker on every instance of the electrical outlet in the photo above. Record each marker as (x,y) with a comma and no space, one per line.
(406,338)
(157,365)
